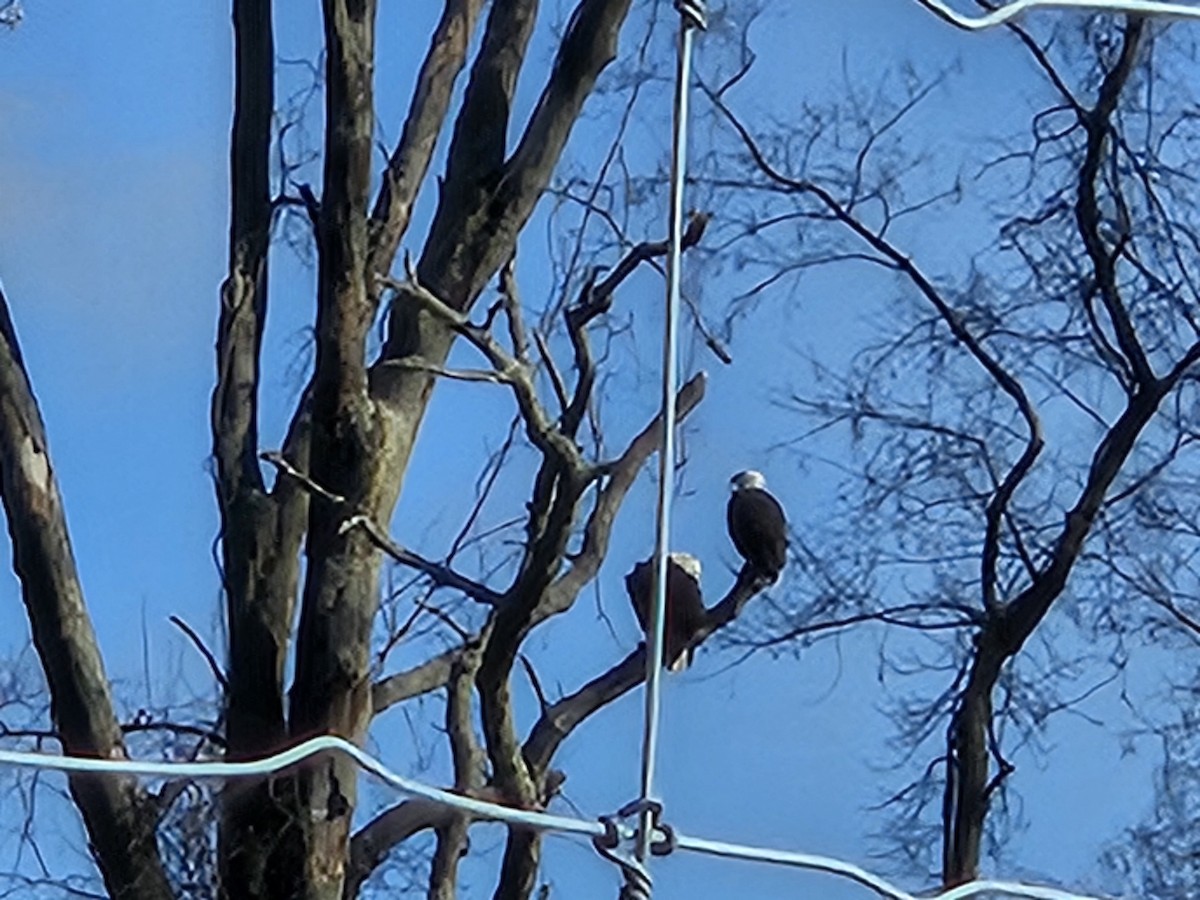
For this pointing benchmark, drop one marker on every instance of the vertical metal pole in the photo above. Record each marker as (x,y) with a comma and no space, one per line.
(691,18)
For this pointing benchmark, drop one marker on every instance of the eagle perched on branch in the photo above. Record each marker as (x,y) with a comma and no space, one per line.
(757,525)
(685,607)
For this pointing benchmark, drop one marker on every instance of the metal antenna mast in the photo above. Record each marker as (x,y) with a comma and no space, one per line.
(692,18)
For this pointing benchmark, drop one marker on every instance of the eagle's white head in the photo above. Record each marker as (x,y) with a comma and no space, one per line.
(748,480)
(688,563)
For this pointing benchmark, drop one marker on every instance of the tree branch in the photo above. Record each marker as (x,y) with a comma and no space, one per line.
(244,293)
(468,774)
(409,162)
(373,842)
(116,811)
(486,201)
(330,692)
(513,371)
(1005,632)
(421,679)
(1097,123)
(621,474)
(1007,382)
(440,574)
(589,45)
(209,658)
(537,594)
(371,845)
(596,299)
(260,533)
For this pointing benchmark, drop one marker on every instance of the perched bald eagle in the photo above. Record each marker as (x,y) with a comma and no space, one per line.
(685,608)
(757,524)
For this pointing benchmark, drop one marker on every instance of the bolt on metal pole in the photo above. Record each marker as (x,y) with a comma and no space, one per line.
(691,19)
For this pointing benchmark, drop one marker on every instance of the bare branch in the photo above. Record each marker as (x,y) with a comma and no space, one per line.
(115,810)
(534,681)
(260,533)
(374,841)
(536,595)
(422,679)
(512,310)
(621,474)
(277,459)
(452,845)
(416,364)
(513,371)
(556,379)
(330,691)
(1097,123)
(409,162)
(486,201)
(1005,380)
(244,294)
(468,774)
(204,651)
(438,573)
(589,45)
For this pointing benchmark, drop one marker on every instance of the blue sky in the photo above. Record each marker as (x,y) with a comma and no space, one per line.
(113,146)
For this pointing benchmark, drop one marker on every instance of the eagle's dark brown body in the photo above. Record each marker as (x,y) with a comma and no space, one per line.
(757,525)
(685,606)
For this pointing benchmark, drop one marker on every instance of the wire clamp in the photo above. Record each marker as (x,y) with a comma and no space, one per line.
(660,846)
(638,884)
(694,12)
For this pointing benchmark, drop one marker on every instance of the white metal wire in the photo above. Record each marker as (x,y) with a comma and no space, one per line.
(879,885)
(1010,11)
(271,765)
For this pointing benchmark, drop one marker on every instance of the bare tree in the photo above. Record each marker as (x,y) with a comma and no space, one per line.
(339,472)
(1020,429)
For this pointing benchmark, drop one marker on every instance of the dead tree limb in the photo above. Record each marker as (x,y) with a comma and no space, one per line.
(117,813)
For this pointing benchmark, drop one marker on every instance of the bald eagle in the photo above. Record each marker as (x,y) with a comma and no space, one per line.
(685,608)
(757,525)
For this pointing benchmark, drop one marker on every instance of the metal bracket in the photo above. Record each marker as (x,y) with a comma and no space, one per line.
(662,846)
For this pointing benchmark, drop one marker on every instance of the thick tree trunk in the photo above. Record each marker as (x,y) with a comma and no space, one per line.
(261,531)
(362,422)
(331,693)
(969,769)
(969,782)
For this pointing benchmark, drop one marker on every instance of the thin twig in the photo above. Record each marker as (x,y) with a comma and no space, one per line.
(556,379)
(204,651)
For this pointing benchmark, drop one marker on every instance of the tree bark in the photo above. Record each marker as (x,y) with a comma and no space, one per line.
(331,693)
(354,432)
(260,530)
(364,425)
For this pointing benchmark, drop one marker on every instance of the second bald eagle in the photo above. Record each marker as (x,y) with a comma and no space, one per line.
(685,608)
(757,525)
